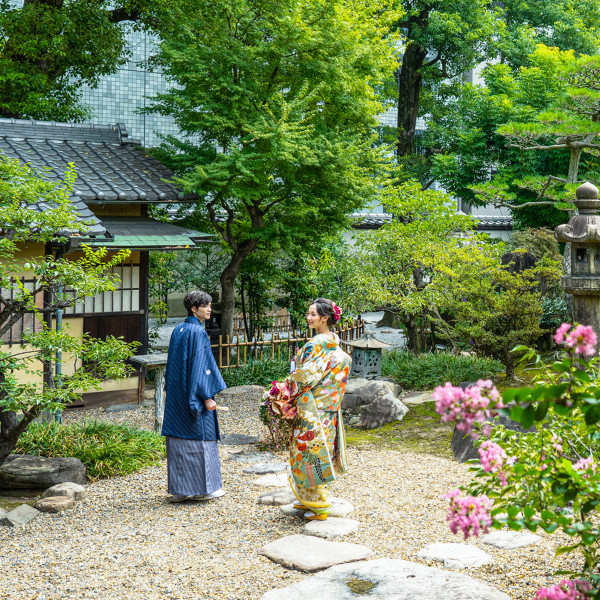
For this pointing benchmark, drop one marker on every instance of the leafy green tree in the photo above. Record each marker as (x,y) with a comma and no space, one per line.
(280,101)
(60,283)
(162,280)
(398,265)
(486,306)
(49,49)
(443,39)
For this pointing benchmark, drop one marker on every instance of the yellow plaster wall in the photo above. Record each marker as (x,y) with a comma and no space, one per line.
(74,325)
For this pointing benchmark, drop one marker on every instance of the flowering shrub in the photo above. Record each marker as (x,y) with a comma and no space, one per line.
(547,477)
(565,590)
(470,515)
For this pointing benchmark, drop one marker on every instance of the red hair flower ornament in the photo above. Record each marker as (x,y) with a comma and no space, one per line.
(337,312)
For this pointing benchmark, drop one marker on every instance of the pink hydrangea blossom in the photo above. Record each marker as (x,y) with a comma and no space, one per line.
(494,459)
(559,336)
(476,404)
(567,589)
(469,514)
(586,464)
(582,339)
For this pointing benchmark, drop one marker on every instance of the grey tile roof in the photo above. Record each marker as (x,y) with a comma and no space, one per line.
(109,166)
(371,220)
(493,222)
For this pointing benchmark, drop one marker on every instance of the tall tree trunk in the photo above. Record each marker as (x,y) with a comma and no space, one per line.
(410,81)
(228,277)
(11,427)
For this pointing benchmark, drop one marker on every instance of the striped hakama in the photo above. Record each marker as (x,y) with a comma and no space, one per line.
(193,467)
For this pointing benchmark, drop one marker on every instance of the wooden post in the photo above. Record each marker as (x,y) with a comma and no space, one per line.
(159,398)
(220,352)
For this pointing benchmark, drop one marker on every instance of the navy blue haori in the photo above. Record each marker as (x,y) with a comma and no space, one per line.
(192,376)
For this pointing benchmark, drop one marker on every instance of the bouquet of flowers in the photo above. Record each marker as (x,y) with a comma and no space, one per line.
(278,402)
(277,413)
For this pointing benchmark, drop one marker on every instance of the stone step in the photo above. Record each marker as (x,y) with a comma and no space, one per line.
(264,468)
(277,497)
(456,556)
(333,528)
(385,579)
(309,553)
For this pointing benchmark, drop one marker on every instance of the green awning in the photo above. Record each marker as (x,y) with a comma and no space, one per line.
(135,233)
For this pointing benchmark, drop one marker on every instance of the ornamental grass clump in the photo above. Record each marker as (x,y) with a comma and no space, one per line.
(106,449)
(257,372)
(547,476)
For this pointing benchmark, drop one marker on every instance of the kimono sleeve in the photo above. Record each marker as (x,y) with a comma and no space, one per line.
(310,370)
(204,375)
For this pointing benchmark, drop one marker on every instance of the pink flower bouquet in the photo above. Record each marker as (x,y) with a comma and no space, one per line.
(278,401)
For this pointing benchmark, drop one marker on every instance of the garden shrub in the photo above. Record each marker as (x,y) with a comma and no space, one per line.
(106,449)
(548,478)
(425,371)
(257,372)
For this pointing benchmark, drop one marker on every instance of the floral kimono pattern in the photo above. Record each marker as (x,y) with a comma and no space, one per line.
(318,445)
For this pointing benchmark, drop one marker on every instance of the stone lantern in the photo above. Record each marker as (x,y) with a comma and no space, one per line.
(583,233)
(366,356)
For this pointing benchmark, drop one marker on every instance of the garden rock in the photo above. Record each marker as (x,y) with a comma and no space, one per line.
(18,516)
(307,553)
(508,540)
(387,579)
(277,497)
(74,490)
(238,439)
(271,481)
(462,445)
(252,457)
(455,556)
(121,407)
(55,504)
(331,529)
(239,390)
(265,468)
(372,405)
(21,471)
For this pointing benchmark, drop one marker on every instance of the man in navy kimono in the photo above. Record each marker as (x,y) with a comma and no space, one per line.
(190,422)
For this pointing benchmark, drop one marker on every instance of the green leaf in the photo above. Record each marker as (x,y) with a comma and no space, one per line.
(565,549)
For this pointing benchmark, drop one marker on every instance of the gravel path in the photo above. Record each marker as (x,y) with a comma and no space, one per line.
(126,541)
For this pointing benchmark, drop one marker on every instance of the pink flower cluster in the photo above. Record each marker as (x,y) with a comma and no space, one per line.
(581,338)
(567,589)
(586,464)
(557,443)
(469,514)
(494,458)
(337,312)
(476,404)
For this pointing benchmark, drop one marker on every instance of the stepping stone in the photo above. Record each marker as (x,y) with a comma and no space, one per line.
(74,490)
(55,504)
(273,480)
(238,439)
(265,468)
(18,516)
(455,556)
(121,407)
(308,553)
(508,540)
(339,508)
(251,456)
(417,398)
(277,497)
(332,529)
(387,579)
(292,511)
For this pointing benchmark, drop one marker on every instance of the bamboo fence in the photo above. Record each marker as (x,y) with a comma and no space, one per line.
(280,346)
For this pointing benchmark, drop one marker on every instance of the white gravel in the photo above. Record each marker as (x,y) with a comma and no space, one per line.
(126,541)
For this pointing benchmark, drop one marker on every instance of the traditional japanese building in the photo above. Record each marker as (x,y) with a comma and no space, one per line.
(116,182)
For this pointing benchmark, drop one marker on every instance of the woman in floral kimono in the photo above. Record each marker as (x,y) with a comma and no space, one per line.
(315,388)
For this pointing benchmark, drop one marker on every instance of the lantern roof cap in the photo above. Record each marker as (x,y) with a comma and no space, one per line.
(587,191)
(368,340)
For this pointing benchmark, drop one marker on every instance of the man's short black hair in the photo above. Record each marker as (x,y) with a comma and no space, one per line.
(196,299)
